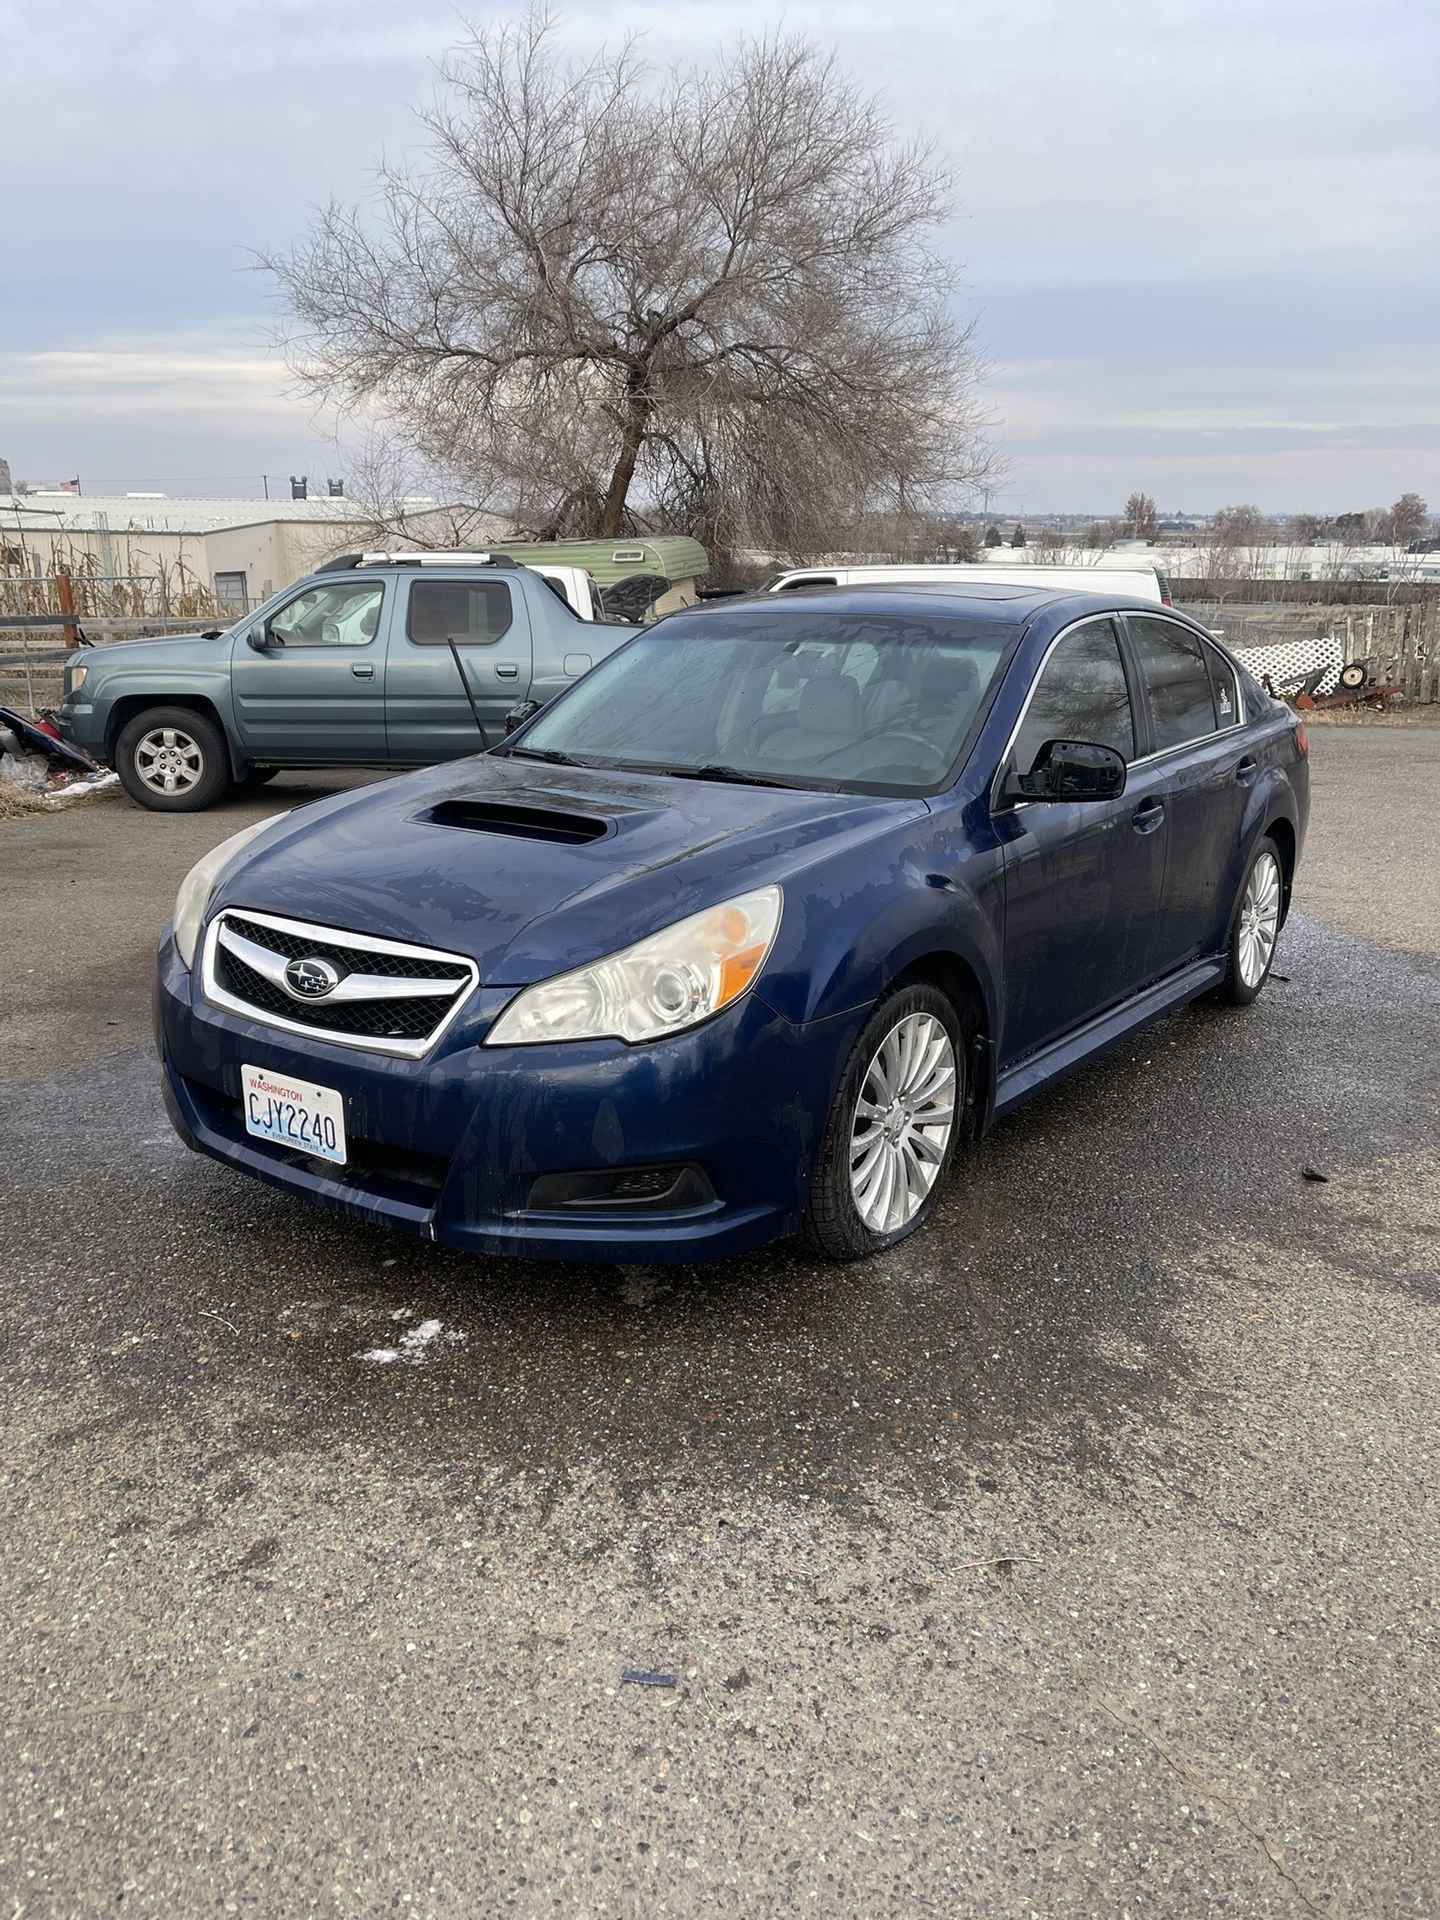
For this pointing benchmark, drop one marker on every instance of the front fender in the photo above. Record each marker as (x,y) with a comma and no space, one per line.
(841,945)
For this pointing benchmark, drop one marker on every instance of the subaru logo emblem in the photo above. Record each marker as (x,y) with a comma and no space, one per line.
(311,979)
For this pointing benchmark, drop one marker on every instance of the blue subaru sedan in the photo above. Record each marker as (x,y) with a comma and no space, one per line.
(747,933)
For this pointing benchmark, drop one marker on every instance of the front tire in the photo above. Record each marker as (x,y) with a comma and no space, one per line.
(891,1133)
(172,760)
(1254,927)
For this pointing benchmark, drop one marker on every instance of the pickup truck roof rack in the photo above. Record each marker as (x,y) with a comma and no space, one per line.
(345,562)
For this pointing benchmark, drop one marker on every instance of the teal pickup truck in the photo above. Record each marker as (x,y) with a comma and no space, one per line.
(375,660)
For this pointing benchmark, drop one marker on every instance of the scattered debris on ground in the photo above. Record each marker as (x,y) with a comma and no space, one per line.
(39,771)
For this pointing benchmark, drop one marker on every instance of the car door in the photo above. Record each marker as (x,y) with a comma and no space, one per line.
(308,683)
(1083,879)
(1200,750)
(429,714)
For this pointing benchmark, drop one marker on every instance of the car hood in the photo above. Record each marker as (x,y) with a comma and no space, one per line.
(460,857)
(130,653)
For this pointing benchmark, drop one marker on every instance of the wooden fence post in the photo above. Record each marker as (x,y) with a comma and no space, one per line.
(65,594)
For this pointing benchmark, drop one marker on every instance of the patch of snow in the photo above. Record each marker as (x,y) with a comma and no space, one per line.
(414,1344)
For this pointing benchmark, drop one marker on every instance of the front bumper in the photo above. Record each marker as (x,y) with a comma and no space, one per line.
(82,725)
(450,1147)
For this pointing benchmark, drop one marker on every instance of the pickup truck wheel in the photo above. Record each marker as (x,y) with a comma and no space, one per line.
(172,760)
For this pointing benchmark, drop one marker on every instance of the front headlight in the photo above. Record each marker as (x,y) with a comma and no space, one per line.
(74,679)
(671,981)
(198,885)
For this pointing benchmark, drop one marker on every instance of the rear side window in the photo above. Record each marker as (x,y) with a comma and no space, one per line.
(1177,678)
(473,613)
(1081,695)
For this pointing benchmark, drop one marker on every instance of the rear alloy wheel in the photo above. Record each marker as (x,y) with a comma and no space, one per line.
(1255,927)
(891,1131)
(172,760)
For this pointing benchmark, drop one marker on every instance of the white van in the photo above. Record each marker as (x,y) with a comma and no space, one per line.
(1140,581)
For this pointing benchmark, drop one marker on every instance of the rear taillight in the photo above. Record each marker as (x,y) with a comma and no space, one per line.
(1300,740)
(1166,601)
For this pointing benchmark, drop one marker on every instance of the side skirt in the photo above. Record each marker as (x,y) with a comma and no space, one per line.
(1040,1070)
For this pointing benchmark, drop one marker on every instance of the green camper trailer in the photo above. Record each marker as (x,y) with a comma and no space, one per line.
(635,579)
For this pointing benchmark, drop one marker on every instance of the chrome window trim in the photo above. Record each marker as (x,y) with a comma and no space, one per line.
(333,937)
(998,802)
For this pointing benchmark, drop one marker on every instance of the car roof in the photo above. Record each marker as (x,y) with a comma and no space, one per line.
(991,601)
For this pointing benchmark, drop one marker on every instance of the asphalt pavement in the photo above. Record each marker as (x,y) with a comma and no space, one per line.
(1077,1558)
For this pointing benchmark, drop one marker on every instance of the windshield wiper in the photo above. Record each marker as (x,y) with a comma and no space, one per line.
(551,754)
(733,774)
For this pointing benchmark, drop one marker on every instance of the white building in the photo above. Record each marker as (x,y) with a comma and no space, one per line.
(167,552)
(1203,559)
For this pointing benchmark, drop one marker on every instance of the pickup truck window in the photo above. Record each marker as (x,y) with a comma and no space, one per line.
(474,613)
(342,613)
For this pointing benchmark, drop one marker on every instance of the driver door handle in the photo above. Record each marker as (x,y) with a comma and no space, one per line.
(1148,816)
(506,669)
(362,672)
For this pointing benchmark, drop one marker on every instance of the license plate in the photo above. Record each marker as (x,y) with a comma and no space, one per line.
(293,1113)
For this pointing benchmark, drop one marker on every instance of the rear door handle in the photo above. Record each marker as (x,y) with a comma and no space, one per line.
(362,672)
(1247,769)
(506,669)
(1148,815)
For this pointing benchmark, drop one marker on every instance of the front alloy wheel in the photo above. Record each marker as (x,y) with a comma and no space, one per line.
(903,1122)
(172,759)
(169,761)
(892,1128)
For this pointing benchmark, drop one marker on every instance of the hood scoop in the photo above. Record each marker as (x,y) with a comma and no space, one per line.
(517,822)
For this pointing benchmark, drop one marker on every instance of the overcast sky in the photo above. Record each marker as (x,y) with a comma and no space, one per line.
(1200,240)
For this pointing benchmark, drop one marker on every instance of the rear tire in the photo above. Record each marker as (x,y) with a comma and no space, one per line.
(1254,927)
(890,1136)
(172,760)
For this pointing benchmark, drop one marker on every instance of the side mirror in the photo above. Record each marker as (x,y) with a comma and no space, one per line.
(262,639)
(1073,770)
(517,716)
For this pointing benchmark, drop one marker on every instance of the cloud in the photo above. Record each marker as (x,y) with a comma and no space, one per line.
(209,375)
(1184,226)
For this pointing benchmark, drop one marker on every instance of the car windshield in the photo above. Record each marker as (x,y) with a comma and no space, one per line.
(875,703)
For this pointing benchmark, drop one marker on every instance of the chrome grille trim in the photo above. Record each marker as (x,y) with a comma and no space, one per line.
(386,986)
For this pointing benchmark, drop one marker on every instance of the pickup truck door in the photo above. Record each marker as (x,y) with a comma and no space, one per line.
(427,714)
(314,692)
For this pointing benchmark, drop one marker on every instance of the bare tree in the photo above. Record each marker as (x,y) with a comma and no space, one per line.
(1409,517)
(1142,522)
(709,299)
